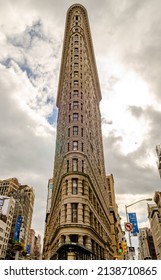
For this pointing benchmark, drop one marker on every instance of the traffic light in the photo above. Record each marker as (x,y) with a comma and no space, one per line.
(124,247)
(18,246)
(120,249)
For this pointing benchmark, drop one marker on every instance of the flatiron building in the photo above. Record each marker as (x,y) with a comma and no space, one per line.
(78,222)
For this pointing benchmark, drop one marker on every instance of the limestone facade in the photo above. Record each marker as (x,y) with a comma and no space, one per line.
(78,224)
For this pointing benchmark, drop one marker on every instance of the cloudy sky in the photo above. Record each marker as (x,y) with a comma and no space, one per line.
(127,44)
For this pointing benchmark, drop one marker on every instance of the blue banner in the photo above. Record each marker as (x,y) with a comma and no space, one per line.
(17,229)
(133,221)
(28,249)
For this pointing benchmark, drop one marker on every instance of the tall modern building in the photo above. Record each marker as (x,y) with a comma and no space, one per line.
(78,223)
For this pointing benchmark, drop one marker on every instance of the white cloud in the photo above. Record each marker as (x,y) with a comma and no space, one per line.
(27,139)
(127,47)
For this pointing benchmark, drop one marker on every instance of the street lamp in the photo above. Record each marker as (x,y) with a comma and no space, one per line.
(127,218)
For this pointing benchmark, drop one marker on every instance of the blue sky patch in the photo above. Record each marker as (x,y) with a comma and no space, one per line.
(52,119)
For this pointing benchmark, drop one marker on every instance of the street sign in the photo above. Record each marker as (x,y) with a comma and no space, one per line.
(131,249)
(128,226)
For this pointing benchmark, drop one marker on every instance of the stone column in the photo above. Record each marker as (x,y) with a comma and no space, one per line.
(69,186)
(106,254)
(86,213)
(79,187)
(67,239)
(69,213)
(62,218)
(80,239)
(80,213)
(71,256)
(88,243)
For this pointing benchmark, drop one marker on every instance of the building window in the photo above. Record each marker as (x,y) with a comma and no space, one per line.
(68,132)
(74,216)
(81,118)
(75,145)
(82,147)
(74,186)
(83,185)
(82,165)
(74,238)
(68,146)
(75,117)
(75,164)
(76,74)
(75,65)
(76,50)
(75,93)
(67,165)
(75,57)
(75,105)
(75,130)
(83,213)
(82,132)
(66,187)
(65,212)
(76,83)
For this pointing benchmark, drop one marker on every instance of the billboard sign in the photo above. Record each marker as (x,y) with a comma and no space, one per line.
(17,229)
(133,221)
(4,204)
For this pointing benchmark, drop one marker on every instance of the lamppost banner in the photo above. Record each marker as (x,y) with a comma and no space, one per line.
(17,229)
(133,221)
